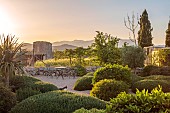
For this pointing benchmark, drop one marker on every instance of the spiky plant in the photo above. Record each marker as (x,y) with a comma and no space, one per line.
(10,57)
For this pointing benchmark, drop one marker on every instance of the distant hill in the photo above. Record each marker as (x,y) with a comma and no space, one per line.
(63,47)
(27,46)
(78,43)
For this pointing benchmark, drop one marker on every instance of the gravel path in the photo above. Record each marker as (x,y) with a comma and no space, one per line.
(59,82)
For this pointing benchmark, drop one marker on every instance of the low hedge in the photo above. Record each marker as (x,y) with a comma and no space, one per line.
(7,99)
(142,102)
(94,110)
(83,83)
(108,88)
(150,84)
(57,102)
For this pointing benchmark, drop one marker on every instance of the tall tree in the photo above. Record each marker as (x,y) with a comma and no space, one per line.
(10,57)
(167,42)
(58,54)
(130,24)
(106,48)
(80,53)
(70,54)
(133,56)
(144,34)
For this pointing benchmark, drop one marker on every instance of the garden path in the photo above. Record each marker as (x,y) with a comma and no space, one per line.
(60,83)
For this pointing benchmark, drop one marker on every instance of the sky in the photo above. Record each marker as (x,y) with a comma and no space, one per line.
(66,20)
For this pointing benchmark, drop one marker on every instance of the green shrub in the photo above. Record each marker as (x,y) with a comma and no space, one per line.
(7,99)
(24,93)
(148,70)
(82,110)
(89,74)
(57,102)
(143,102)
(83,83)
(17,82)
(158,77)
(108,88)
(31,82)
(80,70)
(43,86)
(115,71)
(165,70)
(150,84)
(136,78)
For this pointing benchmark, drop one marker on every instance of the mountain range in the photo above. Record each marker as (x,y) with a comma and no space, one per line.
(62,45)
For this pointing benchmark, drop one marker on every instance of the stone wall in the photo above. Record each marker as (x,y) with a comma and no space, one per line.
(42,47)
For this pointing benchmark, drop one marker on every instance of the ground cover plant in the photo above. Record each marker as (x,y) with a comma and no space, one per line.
(57,102)
(142,102)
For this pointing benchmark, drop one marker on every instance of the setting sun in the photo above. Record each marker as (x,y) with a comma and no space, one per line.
(6,25)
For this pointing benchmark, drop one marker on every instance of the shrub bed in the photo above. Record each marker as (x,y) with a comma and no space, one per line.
(82,110)
(115,71)
(143,102)
(150,84)
(57,102)
(7,99)
(83,83)
(108,88)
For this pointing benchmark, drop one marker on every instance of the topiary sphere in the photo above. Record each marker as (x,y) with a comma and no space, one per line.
(7,99)
(117,72)
(83,83)
(108,88)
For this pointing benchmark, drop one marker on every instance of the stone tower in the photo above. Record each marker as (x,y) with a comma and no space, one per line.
(167,41)
(42,49)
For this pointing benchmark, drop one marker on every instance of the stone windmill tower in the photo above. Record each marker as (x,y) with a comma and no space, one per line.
(167,41)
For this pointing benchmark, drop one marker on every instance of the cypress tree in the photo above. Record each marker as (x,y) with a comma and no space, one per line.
(167,41)
(144,34)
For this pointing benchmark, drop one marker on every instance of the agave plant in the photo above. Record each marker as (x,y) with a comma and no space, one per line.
(10,57)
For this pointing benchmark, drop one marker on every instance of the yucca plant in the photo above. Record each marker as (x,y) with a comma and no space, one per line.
(10,57)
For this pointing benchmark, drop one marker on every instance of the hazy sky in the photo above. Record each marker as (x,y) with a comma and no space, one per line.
(57,20)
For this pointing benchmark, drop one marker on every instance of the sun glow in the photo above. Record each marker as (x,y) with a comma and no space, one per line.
(6,25)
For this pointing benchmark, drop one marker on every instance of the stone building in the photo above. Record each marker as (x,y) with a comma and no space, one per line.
(42,50)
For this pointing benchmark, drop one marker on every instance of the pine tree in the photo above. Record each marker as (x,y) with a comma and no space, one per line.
(144,34)
(167,41)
